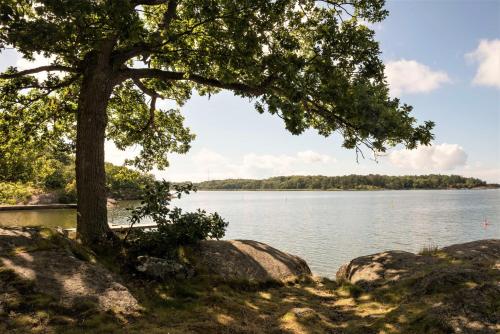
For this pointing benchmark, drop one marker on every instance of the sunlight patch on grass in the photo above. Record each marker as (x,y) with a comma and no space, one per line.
(265,295)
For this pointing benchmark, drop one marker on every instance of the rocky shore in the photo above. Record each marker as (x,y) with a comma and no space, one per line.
(50,284)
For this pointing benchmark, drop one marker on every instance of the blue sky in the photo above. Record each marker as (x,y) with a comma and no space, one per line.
(442,57)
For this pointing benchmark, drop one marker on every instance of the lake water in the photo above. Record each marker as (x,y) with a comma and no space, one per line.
(330,228)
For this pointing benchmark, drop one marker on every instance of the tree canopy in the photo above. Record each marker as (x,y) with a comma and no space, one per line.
(298,59)
(311,63)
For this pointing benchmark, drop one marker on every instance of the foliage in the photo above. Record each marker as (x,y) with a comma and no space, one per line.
(68,194)
(174,228)
(347,182)
(429,249)
(14,193)
(45,166)
(315,64)
(52,171)
(126,183)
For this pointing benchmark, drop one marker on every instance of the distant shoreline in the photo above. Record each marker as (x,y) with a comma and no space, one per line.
(353,182)
(353,190)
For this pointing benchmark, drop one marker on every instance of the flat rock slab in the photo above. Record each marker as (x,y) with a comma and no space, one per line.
(391,266)
(247,260)
(459,285)
(486,252)
(381,268)
(61,275)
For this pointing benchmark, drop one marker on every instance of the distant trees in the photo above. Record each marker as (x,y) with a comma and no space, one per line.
(347,182)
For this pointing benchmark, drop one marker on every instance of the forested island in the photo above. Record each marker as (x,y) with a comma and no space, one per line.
(349,182)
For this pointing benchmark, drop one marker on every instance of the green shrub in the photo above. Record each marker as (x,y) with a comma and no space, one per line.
(174,228)
(15,192)
(428,250)
(68,195)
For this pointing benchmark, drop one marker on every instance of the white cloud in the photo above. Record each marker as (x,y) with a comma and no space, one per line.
(312,157)
(275,164)
(210,164)
(409,76)
(441,157)
(487,55)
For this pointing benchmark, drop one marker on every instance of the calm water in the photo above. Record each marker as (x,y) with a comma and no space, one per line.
(330,228)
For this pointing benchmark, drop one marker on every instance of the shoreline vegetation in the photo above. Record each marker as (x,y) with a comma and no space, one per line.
(349,183)
(453,289)
(123,183)
(58,186)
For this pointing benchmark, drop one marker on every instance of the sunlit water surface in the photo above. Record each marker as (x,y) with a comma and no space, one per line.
(330,228)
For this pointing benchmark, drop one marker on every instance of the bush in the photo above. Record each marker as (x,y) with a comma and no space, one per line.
(68,195)
(429,250)
(15,192)
(174,228)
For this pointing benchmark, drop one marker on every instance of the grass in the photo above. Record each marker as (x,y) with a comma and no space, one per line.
(206,305)
(429,250)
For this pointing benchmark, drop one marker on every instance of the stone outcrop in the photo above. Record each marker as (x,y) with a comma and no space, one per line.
(247,260)
(377,269)
(391,266)
(464,278)
(163,269)
(486,252)
(55,271)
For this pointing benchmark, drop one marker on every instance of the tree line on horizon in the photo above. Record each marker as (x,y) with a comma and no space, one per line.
(347,182)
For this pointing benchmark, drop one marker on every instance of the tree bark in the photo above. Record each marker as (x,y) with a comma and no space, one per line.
(95,91)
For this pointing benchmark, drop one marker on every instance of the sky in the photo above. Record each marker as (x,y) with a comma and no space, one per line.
(442,57)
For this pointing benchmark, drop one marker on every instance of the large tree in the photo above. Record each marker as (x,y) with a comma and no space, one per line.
(315,64)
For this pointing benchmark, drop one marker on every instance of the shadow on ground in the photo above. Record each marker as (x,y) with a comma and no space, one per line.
(49,286)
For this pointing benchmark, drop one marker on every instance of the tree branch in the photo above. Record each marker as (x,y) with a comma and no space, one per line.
(145,89)
(148,2)
(154,95)
(48,68)
(50,89)
(144,73)
(169,15)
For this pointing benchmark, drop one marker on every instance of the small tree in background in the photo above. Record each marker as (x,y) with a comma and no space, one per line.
(308,62)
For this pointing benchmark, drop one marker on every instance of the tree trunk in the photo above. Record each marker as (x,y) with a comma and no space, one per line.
(92,221)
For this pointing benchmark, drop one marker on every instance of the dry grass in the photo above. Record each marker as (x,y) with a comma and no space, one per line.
(206,306)
(429,250)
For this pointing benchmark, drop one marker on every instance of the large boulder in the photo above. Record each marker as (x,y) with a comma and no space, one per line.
(247,260)
(46,260)
(381,268)
(482,252)
(391,266)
